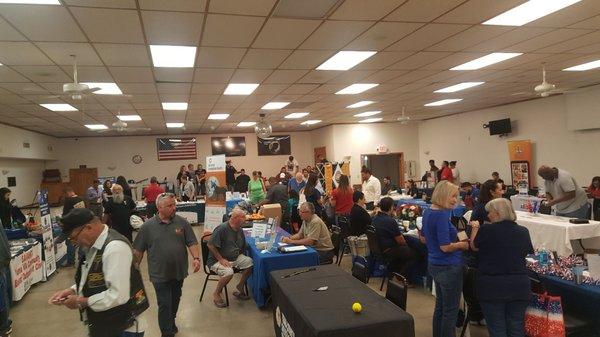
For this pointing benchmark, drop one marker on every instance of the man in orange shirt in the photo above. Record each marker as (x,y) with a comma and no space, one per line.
(150,194)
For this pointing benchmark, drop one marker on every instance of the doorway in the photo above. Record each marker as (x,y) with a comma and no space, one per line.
(384,165)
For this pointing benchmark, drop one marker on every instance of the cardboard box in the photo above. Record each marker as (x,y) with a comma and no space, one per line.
(272,211)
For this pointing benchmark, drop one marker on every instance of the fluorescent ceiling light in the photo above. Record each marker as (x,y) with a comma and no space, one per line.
(459,87)
(31,2)
(275,105)
(175,106)
(175,125)
(296,115)
(585,66)
(311,122)
(367,113)
(371,120)
(444,102)
(218,116)
(96,126)
(105,88)
(486,60)
(360,104)
(356,88)
(529,11)
(59,107)
(173,56)
(129,118)
(240,88)
(345,60)
(246,124)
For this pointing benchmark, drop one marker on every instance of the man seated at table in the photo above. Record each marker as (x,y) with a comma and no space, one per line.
(313,233)
(227,245)
(392,242)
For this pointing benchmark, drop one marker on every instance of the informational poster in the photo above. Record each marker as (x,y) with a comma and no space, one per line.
(216,188)
(521,163)
(47,237)
(26,269)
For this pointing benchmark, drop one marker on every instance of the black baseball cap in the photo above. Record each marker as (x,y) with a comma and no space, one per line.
(77,217)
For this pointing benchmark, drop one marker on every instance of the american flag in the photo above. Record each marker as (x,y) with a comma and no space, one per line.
(176,148)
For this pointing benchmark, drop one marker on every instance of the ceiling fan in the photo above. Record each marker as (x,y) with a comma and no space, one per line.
(403,119)
(543,89)
(122,126)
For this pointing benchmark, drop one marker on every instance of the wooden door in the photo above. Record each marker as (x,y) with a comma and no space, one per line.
(320,151)
(81,179)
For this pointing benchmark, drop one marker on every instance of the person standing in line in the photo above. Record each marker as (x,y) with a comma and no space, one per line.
(94,197)
(151,192)
(371,187)
(444,258)
(563,192)
(167,237)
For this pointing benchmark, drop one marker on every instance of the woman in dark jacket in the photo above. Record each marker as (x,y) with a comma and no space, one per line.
(126,189)
(313,195)
(502,284)
(5,207)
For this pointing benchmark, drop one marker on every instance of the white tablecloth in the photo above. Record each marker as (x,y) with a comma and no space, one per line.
(556,232)
(397,197)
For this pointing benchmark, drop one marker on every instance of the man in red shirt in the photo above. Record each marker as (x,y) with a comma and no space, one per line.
(446,172)
(150,194)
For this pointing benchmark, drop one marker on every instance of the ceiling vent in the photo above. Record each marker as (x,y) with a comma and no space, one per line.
(305,9)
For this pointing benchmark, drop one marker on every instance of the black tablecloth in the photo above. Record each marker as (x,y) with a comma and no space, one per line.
(329,313)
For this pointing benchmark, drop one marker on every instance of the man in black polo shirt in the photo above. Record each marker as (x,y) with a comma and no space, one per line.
(167,237)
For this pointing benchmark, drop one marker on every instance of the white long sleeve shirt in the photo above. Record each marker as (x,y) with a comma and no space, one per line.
(372,190)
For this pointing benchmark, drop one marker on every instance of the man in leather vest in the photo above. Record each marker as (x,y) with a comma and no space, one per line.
(108,289)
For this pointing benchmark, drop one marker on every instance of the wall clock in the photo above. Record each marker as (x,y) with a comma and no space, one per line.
(136,159)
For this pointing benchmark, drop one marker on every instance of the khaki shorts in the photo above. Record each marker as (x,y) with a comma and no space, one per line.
(242,262)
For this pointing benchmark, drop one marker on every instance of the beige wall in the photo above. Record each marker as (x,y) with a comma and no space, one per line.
(112,156)
(28,174)
(543,121)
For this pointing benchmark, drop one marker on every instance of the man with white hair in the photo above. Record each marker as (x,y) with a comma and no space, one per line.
(118,210)
(227,245)
(313,233)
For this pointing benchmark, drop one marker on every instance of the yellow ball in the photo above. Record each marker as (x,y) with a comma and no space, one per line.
(356,307)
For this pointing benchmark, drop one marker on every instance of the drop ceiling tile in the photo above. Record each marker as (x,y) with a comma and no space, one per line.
(173,88)
(90,73)
(9,75)
(230,31)
(146,106)
(426,36)
(173,74)
(572,44)
(452,60)
(203,75)
(319,76)
(418,60)
(43,23)
(174,5)
(264,58)
(268,89)
(285,76)
(285,33)
(102,3)
(21,53)
(382,35)
(591,23)
(365,9)
(217,57)
(335,34)
(206,88)
(132,74)
(383,76)
(508,39)
(547,39)
(569,15)
(478,11)
(382,60)
(353,76)
(8,33)
(172,28)
(123,54)
(124,24)
(250,75)
(242,7)
(422,11)
(470,37)
(60,53)
(43,73)
(137,88)
(306,59)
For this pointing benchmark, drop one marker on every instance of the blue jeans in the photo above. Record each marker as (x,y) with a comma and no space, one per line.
(168,295)
(505,319)
(581,213)
(448,286)
(5,301)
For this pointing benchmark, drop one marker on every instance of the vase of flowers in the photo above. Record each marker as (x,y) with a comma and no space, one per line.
(410,213)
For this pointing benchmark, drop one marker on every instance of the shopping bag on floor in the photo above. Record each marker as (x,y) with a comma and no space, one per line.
(544,317)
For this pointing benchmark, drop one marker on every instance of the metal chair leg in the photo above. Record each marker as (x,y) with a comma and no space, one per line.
(226,296)
(465,323)
(383,281)
(204,288)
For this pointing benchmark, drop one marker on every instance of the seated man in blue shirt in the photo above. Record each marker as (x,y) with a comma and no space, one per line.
(391,240)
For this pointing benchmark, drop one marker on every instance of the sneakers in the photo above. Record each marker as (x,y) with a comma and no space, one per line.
(6,332)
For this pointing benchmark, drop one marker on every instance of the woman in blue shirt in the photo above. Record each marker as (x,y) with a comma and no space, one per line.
(445,258)
(502,284)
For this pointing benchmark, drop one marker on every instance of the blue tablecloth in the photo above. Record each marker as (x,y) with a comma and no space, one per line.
(266,263)
(582,299)
(419,202)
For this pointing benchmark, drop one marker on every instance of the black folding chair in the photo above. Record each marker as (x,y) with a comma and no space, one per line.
(376,252)
(397,290)
(344,224)
(360,271)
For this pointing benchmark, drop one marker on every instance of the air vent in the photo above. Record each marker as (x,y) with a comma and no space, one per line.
(305,9)
(26,145)
(298,105)
(50,148)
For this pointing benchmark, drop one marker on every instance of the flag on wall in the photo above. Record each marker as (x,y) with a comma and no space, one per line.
(176,148)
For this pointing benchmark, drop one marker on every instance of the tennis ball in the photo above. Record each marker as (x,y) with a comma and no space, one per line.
(356,307)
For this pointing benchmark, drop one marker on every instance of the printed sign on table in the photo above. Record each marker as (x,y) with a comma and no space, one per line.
(26,269)
(215,192)
(47,237)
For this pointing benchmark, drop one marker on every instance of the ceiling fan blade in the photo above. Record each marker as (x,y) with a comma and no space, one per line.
(92,90)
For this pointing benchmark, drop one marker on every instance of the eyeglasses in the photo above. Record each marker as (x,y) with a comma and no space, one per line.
(74,239)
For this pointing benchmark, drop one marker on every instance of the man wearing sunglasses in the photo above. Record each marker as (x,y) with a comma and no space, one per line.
(108,291)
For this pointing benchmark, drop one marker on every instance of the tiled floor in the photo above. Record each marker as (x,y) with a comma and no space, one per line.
(32,316)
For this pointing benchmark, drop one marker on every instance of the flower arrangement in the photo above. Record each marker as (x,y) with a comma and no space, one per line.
(408,212)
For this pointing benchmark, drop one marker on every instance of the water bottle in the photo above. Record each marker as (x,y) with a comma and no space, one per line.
(543,256)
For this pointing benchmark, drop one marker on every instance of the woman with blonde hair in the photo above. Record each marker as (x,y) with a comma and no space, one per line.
(502,283)
(445,257)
